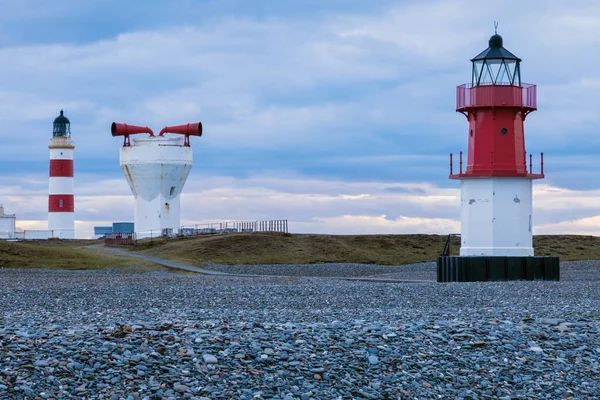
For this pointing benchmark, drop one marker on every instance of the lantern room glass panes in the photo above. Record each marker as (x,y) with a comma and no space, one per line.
(496,72)
(61,130)
(495,67)
(514,72)
(62,126)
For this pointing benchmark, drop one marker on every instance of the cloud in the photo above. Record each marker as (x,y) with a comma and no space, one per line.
(582,226)
(310,205)
(333,114)
(250,79)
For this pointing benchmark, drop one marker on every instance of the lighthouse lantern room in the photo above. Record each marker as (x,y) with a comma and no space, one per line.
(496,184)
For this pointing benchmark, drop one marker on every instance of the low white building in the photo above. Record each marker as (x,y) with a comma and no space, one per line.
(7,224)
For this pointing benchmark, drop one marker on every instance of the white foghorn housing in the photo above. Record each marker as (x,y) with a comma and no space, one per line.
(496,217)
(156,169)
(7,224)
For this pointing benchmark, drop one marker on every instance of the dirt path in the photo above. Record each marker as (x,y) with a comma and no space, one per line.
(190,268)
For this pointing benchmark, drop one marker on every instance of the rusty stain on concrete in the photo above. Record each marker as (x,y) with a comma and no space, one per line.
(130,179)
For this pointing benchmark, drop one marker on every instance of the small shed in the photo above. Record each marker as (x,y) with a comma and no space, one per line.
(7,224)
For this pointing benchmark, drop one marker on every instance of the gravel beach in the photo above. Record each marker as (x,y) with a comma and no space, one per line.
(160,335)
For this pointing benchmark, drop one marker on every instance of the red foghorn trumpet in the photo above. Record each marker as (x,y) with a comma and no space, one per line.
(125,130)
(191,129)
(118,129)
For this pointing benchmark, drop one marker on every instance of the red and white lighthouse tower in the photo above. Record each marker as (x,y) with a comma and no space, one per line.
(61,203)
(496,185)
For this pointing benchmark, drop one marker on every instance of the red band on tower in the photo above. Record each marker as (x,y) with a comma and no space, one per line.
(496,139)
(61,168)
(61,203)
(496,103)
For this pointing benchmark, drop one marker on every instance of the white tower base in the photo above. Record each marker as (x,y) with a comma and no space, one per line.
(60,225)
(496,217)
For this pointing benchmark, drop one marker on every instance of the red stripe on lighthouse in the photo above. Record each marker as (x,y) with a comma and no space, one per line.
(61,168)
(61,203)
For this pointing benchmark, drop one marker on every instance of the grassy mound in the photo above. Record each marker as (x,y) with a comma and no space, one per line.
(277,248)
(268,248)
(62,254)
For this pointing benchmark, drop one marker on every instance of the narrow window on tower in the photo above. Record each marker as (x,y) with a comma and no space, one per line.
(60,203)
(172,191)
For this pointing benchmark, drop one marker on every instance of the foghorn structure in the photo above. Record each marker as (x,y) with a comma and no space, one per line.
(156,168)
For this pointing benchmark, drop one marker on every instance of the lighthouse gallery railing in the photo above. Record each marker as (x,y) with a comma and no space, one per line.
(496,95)
(493,172)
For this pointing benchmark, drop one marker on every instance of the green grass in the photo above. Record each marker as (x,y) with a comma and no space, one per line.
(277,248)
(267,248)
(67,255)
(568,247)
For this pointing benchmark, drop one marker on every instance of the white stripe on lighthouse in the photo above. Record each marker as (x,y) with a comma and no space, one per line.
(61,185)
(61,154)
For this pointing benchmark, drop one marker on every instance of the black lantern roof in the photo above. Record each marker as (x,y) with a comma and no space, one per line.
(62,126)
(495,51)
(496,65)
(61,119)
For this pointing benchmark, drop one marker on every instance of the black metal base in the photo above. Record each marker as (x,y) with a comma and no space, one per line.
(493,268)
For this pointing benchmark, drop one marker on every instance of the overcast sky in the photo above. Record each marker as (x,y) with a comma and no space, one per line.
(338,115)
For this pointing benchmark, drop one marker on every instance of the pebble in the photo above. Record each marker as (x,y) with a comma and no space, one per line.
(161,335)
(180,388)
(209,359)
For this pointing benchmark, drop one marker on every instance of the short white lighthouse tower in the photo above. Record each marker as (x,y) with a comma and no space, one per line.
(496,186)
(61,201)
(156,168)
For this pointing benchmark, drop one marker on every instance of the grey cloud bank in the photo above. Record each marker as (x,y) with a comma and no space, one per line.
(339,98)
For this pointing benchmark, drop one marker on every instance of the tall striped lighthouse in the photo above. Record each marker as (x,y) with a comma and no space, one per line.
(61,203)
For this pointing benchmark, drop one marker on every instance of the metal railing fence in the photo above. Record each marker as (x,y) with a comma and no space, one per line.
(496,95)
(491,167)
(120,239)
(214,228)
(38,234)
(449,243)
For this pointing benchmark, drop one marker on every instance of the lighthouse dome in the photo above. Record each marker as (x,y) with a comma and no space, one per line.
(496,41)
(61,119)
